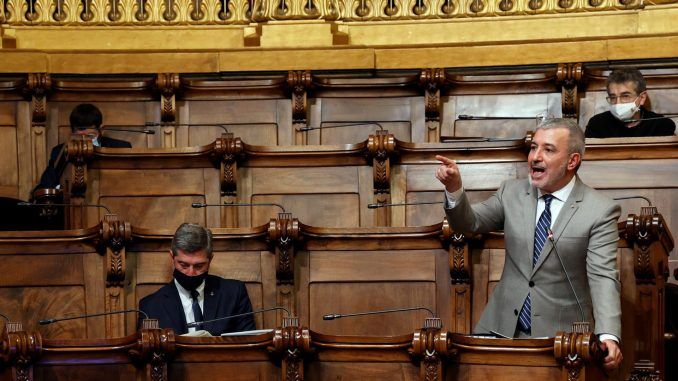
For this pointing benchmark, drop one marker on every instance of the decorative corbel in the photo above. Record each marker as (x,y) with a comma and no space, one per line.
(113,236)
(20,350)
(431,344)
(641,231)
(299,83)
(574,350)
(459,258)
(168,84)
(79,153)
(227,151)
(283,234)
(569,78)
(432,80)
(37,86)
(293,343)
(155,348)
(381,147)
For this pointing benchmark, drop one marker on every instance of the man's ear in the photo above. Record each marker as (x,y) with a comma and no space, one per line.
(574,161)
(642,98)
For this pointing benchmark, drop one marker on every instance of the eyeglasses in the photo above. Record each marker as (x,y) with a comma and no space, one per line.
(625,98)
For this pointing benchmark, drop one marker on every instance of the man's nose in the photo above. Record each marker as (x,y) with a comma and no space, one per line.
(192,271)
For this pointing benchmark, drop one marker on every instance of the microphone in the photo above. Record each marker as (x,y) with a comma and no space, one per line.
(197,323)
(116,128)
(54,320)
(452,139)
(339,316)
(667,116)
(342,125)
(649,203)
(377,206)
(4,316)
(203,205)
(569,280)
(71,205)
(476,117)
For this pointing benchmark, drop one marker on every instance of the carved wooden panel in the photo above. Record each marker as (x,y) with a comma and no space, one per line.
(253,121)
(100,372)
(9,175)
(367,370)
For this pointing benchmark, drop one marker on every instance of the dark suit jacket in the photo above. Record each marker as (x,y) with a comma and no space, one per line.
(223,297)
(50,177)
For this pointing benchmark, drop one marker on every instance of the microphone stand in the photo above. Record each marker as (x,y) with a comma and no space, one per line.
(54,320)
(198,323)
(203,205)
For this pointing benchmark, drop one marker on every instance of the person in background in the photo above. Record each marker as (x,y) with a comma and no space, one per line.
(628,117)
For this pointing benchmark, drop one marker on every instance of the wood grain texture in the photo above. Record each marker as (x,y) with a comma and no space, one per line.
(361,266)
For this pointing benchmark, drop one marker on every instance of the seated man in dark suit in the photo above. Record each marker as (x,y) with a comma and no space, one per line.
(193,295)
(627,95)
(85,120)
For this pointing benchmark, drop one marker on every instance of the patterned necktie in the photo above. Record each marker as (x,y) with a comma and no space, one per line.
(541,232)
(197,312)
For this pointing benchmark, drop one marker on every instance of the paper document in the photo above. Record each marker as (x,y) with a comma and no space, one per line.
(248,333)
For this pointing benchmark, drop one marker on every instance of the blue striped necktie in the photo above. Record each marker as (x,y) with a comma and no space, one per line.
(541,232)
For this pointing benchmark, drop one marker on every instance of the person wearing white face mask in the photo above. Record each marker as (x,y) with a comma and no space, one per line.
(627,95)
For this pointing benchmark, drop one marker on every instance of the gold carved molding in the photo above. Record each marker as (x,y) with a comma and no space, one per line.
(242,12)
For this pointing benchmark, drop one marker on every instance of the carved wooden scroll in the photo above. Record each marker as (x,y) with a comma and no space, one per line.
(432,80)
(79,153)
(299,83)
(292,343)
(113,236)
(460,278)
(20,349)
(430,344)
(652,244)
(37,86)
(575,351)
(227,151)
(569,78)
(168,84)
(381,147)
(283,234)
(155,348)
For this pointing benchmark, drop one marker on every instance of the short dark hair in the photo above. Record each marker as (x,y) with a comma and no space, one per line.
(627,75)
(190,238)
(85,115)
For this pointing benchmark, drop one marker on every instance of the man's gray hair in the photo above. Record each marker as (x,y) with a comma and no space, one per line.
(627,75)
(576,141)
(190,238)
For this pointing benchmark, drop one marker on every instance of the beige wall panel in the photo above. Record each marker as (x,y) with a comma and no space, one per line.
(319,59)
(31,304)
(152,182)
(9,170)
(101,63)
(97,372)
(491,55)
(373,296)
(304,180)
(646,47)
(658,173)
(44,270)
(405,265)
(480,176)
(155,212)
(326,210)
(23,62)
(374,371)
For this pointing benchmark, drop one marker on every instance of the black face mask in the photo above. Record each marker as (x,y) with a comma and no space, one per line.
(189,282)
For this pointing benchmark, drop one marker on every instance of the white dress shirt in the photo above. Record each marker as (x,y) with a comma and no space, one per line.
(557,203)
(187,302)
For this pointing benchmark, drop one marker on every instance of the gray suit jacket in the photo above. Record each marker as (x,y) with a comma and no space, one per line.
(585,235)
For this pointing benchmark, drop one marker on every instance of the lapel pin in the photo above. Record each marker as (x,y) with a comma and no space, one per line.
(211,293)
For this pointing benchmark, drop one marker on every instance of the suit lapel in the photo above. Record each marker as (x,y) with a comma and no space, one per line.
(173,307)
(566,212)
(529,211)
(211,300)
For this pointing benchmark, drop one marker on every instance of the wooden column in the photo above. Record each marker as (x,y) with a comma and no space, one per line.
(432,80)
(228,150)
(283,234)
(20,349)
(298,84)
(381,147)
(460,279)
(569,77)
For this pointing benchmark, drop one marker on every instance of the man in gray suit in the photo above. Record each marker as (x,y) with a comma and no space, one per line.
(553,207)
